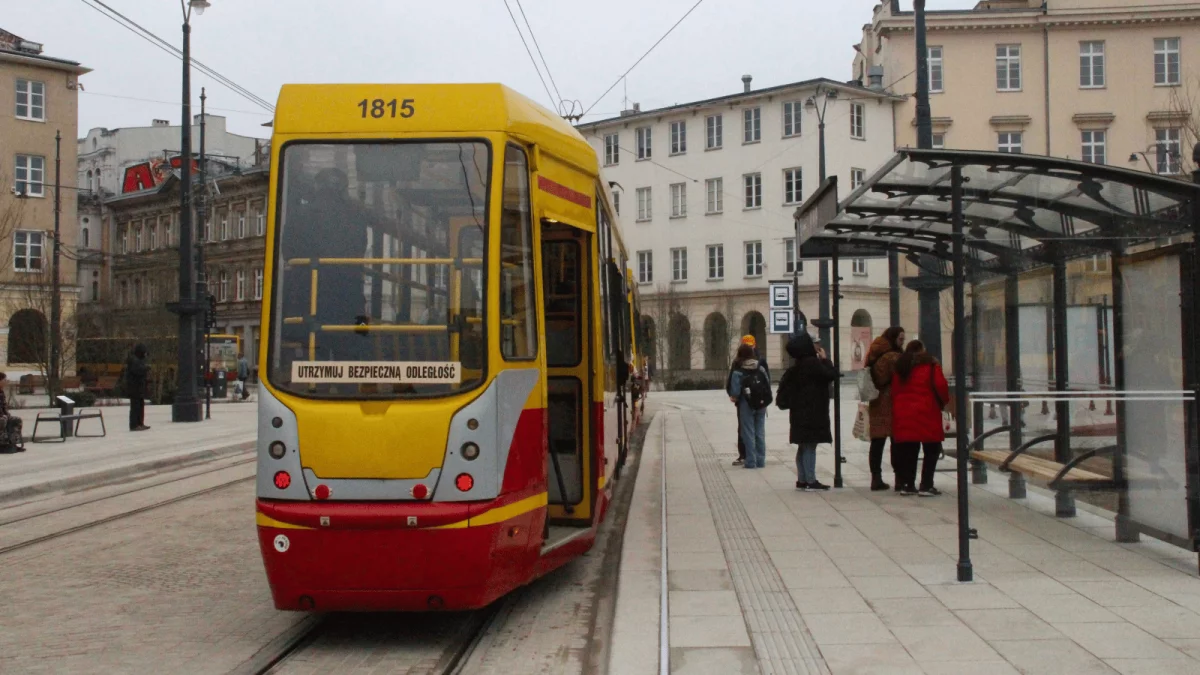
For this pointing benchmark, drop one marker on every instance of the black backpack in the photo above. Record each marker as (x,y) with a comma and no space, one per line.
(757,388)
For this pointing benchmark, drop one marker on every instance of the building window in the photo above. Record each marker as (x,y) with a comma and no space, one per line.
(643,143)
(240,288)
(1093,146)
(207,230)
(754,260)
(752,125)
(1008,67)
(124,239)
(85,238)
(1166,61)
(241,225)
(169,232)
(790,264)
(31,100)
(857,178)
(791,117)
(645,212)
(95,291)
(31,175)
(153,236)
(223,287)
(753,183)
(224,227)
(258,284)
(1169,150)
(1009,141)
(612,149)
(645,267)
(859,267)
(27,251)
(857,121)
(617,202)
(137,238)
(1091,64)
(714,138)
(715,188)
(793,186)
(939,141)
(936,73)
(679,264)
(260,223)
(678,200)
(678,138)
(716,261)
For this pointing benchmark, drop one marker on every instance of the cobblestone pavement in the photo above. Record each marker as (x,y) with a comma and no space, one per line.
(180,589)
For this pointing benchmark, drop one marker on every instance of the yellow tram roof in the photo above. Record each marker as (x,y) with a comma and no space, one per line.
(328,109)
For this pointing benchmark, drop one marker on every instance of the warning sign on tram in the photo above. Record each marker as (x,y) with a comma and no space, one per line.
(382,372)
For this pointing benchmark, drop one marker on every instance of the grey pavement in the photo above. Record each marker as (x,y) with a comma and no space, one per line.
(765,579)
(122,454)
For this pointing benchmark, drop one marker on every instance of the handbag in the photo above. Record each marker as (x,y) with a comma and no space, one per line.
(862,423)
(867,391)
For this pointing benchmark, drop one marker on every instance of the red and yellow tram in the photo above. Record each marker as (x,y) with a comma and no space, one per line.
(448,330)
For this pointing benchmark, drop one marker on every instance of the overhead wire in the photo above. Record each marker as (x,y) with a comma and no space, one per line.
(149,36)
(257,113)
(553,103)
(540,55)
(643,56)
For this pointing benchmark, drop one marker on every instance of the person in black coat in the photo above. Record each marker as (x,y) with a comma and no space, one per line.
(746,340)
(804,388)
(134,379)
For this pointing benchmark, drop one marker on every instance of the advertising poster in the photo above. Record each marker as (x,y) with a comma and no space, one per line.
(860,342)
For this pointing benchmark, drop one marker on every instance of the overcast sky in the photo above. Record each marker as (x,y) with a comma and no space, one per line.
(262,44)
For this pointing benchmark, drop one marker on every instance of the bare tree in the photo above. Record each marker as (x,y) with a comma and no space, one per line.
(1185,102)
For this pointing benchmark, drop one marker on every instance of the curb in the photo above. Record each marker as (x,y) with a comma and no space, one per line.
(97,478)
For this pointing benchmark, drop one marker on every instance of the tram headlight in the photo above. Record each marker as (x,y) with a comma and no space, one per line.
(277,450)
(469,451)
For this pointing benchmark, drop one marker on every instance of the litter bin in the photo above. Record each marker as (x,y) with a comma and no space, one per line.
(220,385)
(66,406)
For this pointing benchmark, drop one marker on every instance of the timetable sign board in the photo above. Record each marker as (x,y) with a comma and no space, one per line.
(781,321)
(781,296)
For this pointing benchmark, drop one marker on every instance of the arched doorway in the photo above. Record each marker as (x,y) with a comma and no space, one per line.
(679,343)
(755,324)
(650,342)
(716,342)
(27,332)
(861,318)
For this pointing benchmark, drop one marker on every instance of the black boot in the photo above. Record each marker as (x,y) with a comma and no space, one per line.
(877,483)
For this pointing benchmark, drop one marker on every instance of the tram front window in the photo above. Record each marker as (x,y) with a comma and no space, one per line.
(379,277)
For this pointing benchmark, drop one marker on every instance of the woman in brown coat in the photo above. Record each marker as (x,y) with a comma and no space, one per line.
(881,359)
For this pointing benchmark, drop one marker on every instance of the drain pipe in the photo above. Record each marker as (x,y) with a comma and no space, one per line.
(1046,68)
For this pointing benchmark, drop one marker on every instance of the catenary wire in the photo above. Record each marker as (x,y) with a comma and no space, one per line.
(553,103)
(540,55)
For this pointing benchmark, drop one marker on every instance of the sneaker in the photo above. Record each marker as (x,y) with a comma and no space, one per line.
(816,486)
(739,461)
(801,486)
(908,491)
(929,492)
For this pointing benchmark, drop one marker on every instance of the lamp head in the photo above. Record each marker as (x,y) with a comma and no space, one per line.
(199,5)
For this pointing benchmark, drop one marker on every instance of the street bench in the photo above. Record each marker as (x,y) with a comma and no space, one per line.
(76,417)
(30,383)
(1055,475)
(105,384)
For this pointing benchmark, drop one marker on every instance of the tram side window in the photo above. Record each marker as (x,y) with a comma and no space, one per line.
(518,330)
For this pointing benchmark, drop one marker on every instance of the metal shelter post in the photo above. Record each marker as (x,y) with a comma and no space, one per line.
(836,330)
(1012,375)
(978,468)
(965,570)
(1064,503)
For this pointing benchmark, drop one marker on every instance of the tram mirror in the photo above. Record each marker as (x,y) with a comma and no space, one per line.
(388,162)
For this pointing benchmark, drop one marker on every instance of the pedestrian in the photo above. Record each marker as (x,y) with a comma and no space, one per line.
(750,391)
(805,387)
(10,425)
(746,340)
(881,361)
(243,374)
(134,378)
(919,394)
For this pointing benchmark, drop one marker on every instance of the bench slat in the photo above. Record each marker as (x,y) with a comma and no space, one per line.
(1037,466)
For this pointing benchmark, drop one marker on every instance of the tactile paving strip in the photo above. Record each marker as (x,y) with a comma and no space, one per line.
(781,641)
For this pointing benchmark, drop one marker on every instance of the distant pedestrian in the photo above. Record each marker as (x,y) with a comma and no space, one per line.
(919,394)
(134,379)
(750,391)
(10,425)
(885,350)
(746,340)
(805,387)
(243,374)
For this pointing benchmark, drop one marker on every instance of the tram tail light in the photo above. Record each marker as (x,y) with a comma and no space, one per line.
(322,491)
(282,480)
(464,482)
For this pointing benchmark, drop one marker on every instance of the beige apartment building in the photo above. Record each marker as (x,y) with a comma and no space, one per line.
(1108,81)
(38,99)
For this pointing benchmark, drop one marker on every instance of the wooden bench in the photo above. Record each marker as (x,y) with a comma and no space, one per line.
(1056,475)
(105,384)
(71,383)
(30,383)
(76,417)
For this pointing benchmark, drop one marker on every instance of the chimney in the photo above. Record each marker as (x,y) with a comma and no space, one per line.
(875,78)
(746,83)
(161,123)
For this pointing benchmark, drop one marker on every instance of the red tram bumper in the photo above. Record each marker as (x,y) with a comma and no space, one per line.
(328,556)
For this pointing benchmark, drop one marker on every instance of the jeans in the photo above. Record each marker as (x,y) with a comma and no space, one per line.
(741,445)
(906,470)
(753,425)
(806,463)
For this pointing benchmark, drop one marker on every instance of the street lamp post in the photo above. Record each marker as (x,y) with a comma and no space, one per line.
(823,321)
(186,407)
(52,377)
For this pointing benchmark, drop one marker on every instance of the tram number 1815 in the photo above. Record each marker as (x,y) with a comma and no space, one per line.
(378,108)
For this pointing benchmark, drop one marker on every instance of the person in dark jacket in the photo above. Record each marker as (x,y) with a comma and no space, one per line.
(806,388)
(919,394)
(135,377)
(10,424)
(746,340)
(243,374)
(881,360)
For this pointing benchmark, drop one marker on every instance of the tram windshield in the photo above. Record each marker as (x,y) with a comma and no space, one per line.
(379,277)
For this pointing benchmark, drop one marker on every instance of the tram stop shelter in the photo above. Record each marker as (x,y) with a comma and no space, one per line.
(1075,325)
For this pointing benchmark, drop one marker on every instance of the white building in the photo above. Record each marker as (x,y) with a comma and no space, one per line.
(706,196)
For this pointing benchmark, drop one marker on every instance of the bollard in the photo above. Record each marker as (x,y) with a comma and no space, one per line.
(66,406)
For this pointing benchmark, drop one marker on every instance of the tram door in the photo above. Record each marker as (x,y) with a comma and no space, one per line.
(566,266)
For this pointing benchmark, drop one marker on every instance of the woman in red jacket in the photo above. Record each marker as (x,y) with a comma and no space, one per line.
(919,394)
